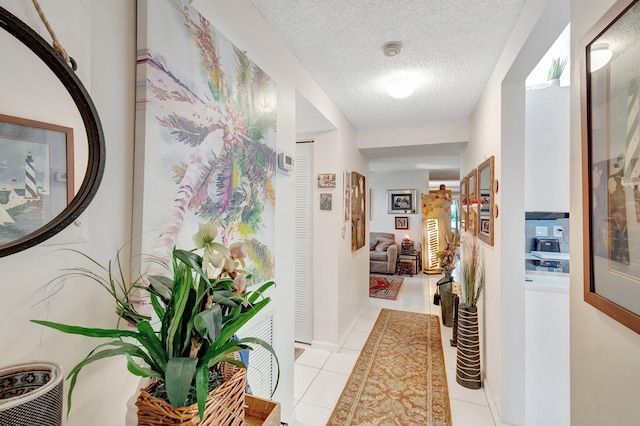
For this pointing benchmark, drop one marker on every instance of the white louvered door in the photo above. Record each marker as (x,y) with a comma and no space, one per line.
(304,241)
(262,371)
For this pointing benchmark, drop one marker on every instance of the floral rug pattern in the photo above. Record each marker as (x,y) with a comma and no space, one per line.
(385,287)
(399,378)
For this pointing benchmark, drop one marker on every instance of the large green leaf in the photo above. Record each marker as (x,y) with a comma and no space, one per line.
(161,286)
(227,298)
(202,387)
(217,354)
(233,327)
(180,373)
(193,260)
(85,331)
(157,308)
(147,337)
(209,323)
(175,313)
(253,296)
(138,370)
(95,356)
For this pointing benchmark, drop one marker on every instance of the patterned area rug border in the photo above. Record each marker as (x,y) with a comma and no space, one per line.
(390,290)
(400,376)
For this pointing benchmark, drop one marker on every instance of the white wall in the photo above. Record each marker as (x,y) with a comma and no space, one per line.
(497,128)
(381,221)
(605,380)
(435,134)
(103,389)
(546,183)
(547,347)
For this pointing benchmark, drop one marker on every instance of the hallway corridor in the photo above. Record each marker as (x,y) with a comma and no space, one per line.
(321,375)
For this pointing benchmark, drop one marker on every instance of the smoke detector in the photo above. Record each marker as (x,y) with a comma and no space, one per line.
(392,48)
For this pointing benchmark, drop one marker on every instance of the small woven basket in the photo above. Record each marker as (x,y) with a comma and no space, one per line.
(224,406)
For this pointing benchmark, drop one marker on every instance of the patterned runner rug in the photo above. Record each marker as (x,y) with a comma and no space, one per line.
(385,287)
(399,378)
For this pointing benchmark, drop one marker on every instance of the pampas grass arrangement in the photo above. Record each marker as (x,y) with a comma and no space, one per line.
(557,68)
(472,273)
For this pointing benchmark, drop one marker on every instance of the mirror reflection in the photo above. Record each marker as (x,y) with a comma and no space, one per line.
(464,204)
(486,200)
(51,144)
(472,191)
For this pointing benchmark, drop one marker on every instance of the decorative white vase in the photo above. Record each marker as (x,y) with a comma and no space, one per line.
(554,83)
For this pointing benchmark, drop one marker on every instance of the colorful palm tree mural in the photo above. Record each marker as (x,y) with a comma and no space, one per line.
(219,120)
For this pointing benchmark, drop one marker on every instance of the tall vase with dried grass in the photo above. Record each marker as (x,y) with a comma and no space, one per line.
(468,343)
(200,304)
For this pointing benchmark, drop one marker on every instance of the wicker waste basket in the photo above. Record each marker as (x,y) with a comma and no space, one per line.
(31,394)
(225,405)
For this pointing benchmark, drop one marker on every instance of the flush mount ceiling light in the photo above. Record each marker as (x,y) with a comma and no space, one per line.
(400,87)
(600,56)
(392,48)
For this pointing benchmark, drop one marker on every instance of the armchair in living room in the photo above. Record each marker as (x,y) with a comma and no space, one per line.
(383,252)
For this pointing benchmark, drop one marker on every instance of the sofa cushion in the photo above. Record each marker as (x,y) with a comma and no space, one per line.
(378,256)
(383,244)
(372,244)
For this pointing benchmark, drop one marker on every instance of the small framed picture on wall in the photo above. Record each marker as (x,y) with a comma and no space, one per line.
(325,201)
(402,222)
(326,180)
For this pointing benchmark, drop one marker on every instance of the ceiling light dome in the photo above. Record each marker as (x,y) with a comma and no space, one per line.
(392,48)
(600,56)
(400,87)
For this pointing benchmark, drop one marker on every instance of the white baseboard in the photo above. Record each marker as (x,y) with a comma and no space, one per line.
(491,400)
(335,347)
(325,346)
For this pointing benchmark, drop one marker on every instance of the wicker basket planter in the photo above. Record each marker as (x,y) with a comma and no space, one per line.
(31,394)
(225,406)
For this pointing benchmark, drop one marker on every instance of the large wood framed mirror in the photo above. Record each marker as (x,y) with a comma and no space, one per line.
(472,196)
(43,99)
(486,200)
(464,203)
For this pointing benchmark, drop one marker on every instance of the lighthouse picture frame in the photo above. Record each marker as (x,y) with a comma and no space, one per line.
(36,175)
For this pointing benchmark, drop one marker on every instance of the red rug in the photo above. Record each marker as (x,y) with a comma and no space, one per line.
(385,287)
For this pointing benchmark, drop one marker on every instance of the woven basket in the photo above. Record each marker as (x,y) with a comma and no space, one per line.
(224,406)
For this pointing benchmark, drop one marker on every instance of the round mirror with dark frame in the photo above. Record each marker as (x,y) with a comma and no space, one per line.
(21,196)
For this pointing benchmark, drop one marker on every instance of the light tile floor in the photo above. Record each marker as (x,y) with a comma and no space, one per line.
(320,375)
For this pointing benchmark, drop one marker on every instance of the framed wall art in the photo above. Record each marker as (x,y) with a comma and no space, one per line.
(402,222)
(347,195)
(401,201)
(196,95)
(326,180)
(36,175)
(325,201)
(611,168)
(358,211)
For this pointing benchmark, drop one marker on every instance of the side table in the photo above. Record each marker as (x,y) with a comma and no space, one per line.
(414,257)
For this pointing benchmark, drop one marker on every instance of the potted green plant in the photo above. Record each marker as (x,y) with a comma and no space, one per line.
(468,342)
(555,70)
(200,306)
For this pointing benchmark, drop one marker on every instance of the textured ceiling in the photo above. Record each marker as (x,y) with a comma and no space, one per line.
(450,47)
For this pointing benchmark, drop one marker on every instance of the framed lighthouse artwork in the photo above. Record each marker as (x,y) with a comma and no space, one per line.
(36,175)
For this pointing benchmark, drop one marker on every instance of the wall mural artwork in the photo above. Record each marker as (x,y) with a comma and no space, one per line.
(358,211)
(205,142)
